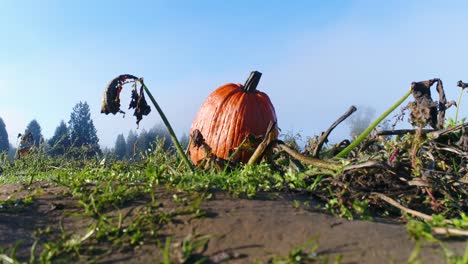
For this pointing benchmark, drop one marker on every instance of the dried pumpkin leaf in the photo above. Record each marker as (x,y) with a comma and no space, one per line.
(197,139)
(210,161)
(139,103)
(425,111)
(111,99)
(134,99)
(462,84)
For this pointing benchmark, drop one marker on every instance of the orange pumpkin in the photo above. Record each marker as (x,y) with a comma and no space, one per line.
(229,115)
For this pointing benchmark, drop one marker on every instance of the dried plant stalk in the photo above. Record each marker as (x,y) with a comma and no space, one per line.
(111,104)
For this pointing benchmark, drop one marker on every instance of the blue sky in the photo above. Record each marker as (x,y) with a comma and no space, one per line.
(317,57)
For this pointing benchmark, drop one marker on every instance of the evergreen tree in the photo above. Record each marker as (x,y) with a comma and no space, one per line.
(35,129)
(184,141)
(158,133)
(131,140)
(106,152)
(60,142)
(82,130)
(4,143)
(147,140)
(142,142)
(120,147)
(11,152)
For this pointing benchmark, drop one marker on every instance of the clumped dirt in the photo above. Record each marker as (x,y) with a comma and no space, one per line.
(240,230)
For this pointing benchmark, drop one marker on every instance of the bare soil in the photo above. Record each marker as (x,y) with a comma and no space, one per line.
(240,230)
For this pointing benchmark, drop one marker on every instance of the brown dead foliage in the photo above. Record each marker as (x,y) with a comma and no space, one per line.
(111,99)
(425,111)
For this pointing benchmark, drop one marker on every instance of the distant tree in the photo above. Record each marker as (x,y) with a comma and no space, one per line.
(184,141)
(4,143)
(120,147)
(35,129)
(147,140)
(107,152)
(159,132)
(82,130)
(360,120)
(11,152)
(60,141)
(143,141)
(131,140)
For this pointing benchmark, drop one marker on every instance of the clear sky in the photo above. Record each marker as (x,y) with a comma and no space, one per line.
(317,57)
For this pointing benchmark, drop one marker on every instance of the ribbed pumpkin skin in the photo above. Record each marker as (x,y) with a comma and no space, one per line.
(227,116)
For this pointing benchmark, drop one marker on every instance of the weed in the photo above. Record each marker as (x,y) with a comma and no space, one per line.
(305,253)
(16,205)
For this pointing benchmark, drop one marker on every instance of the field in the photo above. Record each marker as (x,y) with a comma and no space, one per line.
(58,210)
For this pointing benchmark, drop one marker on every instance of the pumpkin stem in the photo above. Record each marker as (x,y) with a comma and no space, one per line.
(250,85)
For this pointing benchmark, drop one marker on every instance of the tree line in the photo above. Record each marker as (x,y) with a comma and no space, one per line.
(78,137)
(134,146)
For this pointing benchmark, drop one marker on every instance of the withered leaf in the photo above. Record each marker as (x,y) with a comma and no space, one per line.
(424,111)
(197,138)
(140,105)
(111,99)
(462,84)
(134,99)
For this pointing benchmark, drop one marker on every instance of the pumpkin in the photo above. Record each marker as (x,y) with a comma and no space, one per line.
(228,116)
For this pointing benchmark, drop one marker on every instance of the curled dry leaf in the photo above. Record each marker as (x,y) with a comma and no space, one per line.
(462,84)
(210,161)
(111,99)
(424,111)
(197,139)
(139,103)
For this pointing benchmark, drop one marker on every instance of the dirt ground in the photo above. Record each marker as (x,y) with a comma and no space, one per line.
(240,230)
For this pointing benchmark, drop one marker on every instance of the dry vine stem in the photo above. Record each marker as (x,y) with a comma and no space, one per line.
(409,211)
(370,164)
(318,147)
(449,231)
(269,137)
(307,160)
(434,134)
